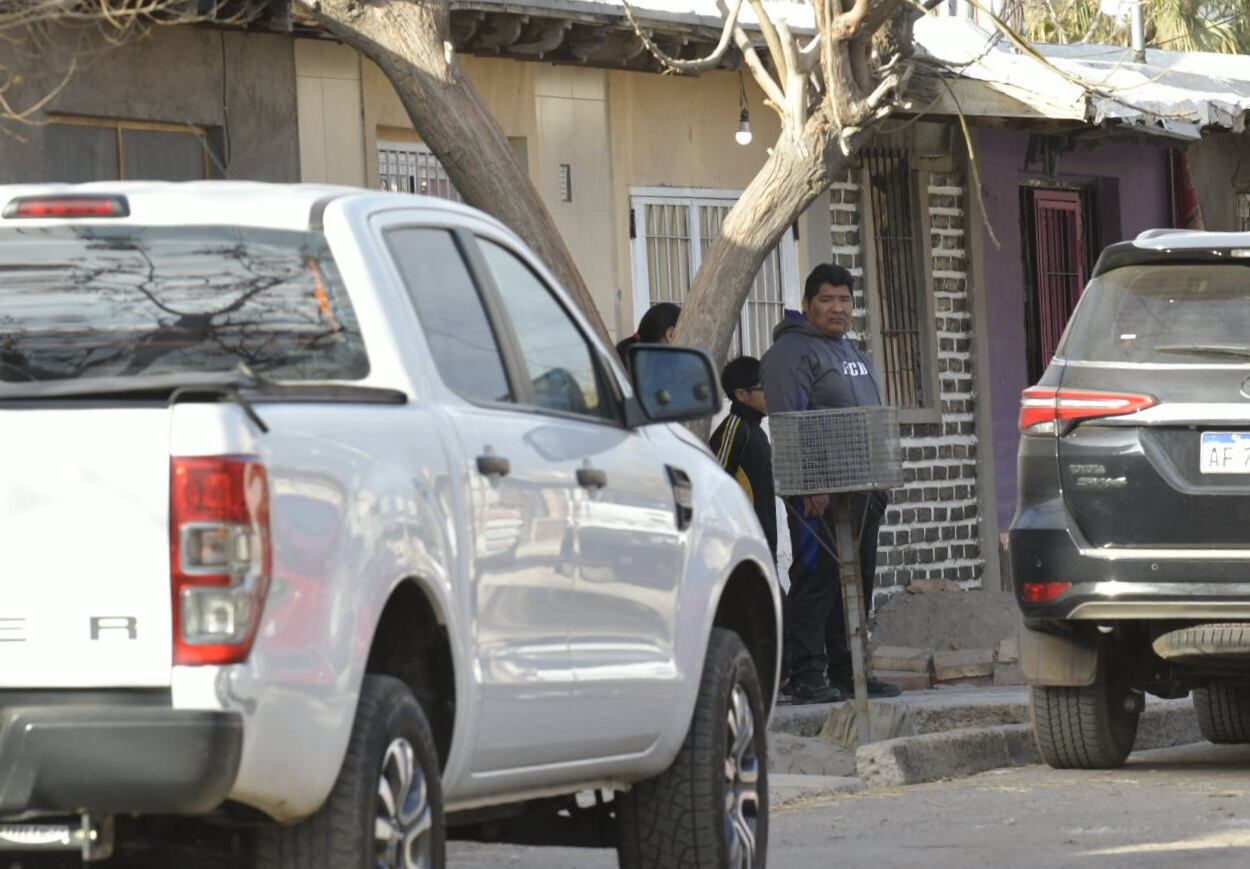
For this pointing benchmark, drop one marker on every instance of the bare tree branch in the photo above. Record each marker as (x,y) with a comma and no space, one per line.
(809,55)
(796,86)
(776,47)
(759,72)
(848,24)
(1063,34)
(676,64)
(24,115)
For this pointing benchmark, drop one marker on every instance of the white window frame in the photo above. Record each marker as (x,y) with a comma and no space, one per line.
(694,198)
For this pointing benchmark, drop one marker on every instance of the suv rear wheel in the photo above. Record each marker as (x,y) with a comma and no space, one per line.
(1223,710)
(709,810)
(1091,727)
(386,808)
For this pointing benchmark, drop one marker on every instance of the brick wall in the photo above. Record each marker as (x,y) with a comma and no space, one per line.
(932,528)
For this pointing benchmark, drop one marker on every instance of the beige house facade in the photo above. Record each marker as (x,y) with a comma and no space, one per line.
(637,169)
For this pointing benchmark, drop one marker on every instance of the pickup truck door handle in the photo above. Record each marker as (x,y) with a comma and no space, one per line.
(493,466)
(591,478)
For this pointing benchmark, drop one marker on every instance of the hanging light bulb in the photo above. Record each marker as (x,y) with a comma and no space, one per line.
(743,136)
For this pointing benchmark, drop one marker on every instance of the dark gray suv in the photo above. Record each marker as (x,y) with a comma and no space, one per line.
(1130,547)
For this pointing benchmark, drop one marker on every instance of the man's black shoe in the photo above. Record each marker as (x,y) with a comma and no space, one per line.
(876,688)
(804,691)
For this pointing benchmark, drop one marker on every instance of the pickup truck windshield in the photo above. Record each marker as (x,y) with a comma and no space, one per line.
(119,301)
(1178,314)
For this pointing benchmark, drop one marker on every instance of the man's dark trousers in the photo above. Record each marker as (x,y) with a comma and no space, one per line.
(814,621)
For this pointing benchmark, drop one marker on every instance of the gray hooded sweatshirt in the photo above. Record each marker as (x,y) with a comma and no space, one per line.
(808,370)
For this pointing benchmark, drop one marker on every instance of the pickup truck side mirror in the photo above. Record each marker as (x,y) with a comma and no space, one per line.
(672,383)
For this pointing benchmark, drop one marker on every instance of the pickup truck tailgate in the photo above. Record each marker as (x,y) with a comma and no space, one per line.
(84,547)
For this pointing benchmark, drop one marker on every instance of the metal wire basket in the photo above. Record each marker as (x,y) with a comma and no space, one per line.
(818,452)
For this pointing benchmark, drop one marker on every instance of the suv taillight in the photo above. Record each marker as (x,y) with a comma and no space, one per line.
(220,556)
(1045,410)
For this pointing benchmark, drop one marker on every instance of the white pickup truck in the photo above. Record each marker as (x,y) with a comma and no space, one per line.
(324,515)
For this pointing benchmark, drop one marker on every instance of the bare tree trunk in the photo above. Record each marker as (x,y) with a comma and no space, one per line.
(794,175)
(410,41)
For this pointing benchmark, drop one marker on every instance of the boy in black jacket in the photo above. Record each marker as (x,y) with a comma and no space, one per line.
(741,445)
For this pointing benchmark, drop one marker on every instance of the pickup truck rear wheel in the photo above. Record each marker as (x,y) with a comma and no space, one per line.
(1223,710)
(1090,727)
(386,808)
(709,809)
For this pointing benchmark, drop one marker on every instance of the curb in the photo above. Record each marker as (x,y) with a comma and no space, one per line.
(955,753)
(931,711)
(808,720)
(933,756)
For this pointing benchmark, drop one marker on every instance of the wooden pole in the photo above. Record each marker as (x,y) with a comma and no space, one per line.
(853,608)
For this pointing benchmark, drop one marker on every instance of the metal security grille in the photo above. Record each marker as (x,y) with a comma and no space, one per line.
(669,267)
(405,167)
(1243,212)
(829,451)
(900,277)
(765,306)
(673,236)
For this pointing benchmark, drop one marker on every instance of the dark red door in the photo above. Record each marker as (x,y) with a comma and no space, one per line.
(1059,264)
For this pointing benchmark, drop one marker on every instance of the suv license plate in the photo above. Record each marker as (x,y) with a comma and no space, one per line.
(1225,452)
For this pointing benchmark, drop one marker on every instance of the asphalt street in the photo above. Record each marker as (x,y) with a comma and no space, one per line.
(1178,807)
(1187,806)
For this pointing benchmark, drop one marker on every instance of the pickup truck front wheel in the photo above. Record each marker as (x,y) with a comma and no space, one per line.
(709,809)
(386,808)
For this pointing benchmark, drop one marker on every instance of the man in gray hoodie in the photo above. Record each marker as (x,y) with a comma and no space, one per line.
(813,366)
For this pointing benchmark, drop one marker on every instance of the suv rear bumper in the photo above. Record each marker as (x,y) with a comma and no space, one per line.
(106,758)
(1113,601)
(1125,583)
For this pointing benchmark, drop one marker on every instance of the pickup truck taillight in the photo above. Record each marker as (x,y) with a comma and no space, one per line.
(220,556)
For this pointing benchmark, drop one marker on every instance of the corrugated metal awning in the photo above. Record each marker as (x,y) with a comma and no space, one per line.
(1174,94)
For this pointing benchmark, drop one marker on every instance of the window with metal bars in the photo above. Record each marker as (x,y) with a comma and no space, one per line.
(408,167)
(901,309)
(1243,212)
(672,234)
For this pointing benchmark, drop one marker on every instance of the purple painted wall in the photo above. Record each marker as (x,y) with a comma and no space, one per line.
(1137,172)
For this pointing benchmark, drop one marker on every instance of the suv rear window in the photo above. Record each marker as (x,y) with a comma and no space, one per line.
(87,301)
(1180,314)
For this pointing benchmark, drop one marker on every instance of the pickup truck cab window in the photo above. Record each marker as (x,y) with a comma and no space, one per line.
(120,301)
(453,318)
(560,362)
